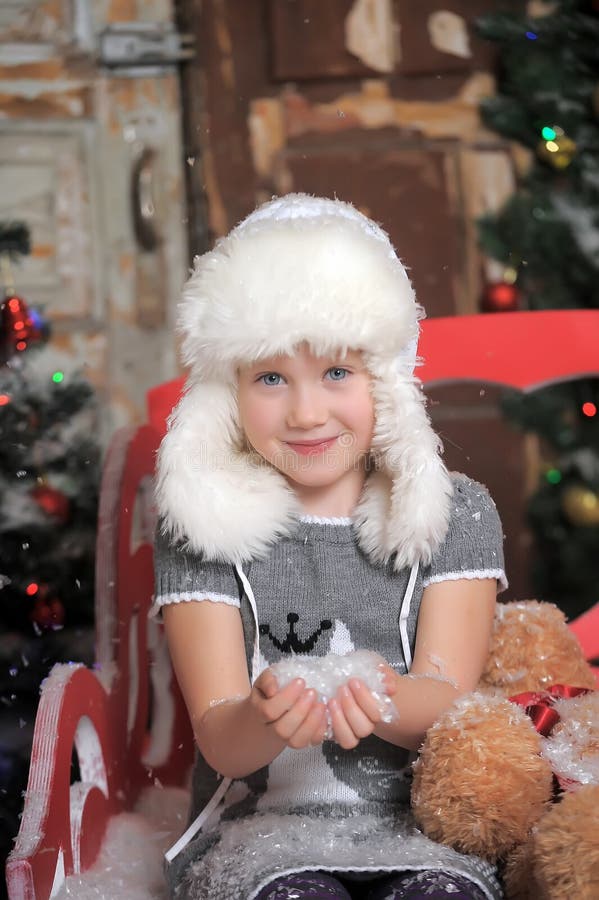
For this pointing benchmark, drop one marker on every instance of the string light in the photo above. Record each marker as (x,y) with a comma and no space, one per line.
(589,409)
(553,476)
(57,377)
(32,589)
(555,147)
(4,399)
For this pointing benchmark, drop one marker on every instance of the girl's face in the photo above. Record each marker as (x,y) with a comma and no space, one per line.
(312,418)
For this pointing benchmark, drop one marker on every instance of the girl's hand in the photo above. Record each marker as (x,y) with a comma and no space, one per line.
(294,713)
(355,712)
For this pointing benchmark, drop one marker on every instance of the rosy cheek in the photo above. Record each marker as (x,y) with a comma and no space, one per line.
(258,420)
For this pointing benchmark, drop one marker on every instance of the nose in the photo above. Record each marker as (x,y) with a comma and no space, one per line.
(306,408)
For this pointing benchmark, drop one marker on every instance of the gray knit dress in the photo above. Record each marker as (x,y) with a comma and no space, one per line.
(326,808)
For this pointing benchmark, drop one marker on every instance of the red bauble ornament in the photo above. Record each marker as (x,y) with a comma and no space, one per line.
(41,614)
(17,327)
(56,613)
(47,614)
(54,503)
(500,297)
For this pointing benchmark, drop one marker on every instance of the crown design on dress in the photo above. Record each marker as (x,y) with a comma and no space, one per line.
(292,642)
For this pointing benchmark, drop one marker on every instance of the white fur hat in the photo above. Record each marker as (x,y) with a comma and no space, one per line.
(299,268)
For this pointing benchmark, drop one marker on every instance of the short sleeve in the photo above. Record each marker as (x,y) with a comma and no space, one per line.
(181,576)
(473,546)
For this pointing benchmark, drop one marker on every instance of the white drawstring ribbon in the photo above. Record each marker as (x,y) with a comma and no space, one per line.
(403,616)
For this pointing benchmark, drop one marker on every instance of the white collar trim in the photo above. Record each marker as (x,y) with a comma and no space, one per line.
(323,520)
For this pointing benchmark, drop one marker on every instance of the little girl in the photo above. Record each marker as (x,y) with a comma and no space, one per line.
(305,509)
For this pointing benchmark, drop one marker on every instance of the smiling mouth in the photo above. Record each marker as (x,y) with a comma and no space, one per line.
(307,447)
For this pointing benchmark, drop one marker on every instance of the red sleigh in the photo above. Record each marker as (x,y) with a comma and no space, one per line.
(125,719)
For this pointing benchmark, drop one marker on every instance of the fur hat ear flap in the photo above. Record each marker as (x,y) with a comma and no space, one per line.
(224,502)
(404,509)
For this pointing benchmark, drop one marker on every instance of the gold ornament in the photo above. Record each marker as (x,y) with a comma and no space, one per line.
(558,151)
(581,505)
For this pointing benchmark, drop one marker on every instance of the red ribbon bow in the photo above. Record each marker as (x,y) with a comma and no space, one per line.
(539,705)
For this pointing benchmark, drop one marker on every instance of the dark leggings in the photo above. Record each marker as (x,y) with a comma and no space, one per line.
(426,885)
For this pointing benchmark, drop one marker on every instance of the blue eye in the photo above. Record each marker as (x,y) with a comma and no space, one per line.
(337,373)
(271,379)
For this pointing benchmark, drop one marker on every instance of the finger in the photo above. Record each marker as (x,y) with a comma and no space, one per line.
(267,683)
(289,723)
(313,725)
(389,679)
(361,722)
(365,700)
(342,733)
(322,732)
(283,700)
(270,686)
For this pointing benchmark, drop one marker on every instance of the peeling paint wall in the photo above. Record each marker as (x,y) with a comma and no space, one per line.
(71,133)
(369,33)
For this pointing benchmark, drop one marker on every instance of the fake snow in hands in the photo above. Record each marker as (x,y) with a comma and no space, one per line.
(325,674)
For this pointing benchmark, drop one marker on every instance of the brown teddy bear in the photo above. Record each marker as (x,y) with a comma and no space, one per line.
(486,778)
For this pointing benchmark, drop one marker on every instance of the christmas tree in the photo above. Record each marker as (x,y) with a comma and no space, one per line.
(547,237)
(49,476)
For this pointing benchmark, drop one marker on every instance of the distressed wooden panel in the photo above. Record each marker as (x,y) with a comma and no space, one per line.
(32,20)
(11,73)
(48,183)
(412,190)
(308,41)
(135,10)
(476,436)
(438,36)
(72,23)
(43,102)
(231,68)
(71,135)
(488,179)
(373,106)
(311,40)
(142,287)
